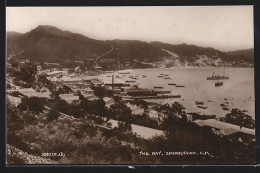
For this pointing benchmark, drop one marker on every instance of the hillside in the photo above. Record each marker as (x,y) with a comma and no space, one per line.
(247,54)
(48,43)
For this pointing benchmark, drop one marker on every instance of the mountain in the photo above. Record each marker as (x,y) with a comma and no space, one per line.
(192,55)
(247,54)
(51,44)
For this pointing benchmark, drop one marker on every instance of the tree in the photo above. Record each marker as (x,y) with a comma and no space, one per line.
(178,110)
(174,116)
(35,104)
(125,127)
(27,72)
(239,118)
(64,89)
(100,107)
(52,115)
(84,104)
(120,112)
(117,98)
(14,124)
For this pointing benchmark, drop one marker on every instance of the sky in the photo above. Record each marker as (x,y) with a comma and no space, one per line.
(222,27)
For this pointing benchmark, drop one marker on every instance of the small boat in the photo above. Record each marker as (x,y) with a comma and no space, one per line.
(171,84)
(180,86)
(130,81)
(159,76)
(166,78)
(158,87)
(218,84)
(226,109)
(202,107)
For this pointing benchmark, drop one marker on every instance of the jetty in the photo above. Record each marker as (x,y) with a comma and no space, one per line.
(153,97)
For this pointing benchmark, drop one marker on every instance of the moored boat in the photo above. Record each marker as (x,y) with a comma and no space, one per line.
(180,86)
(159,87)
(218,83)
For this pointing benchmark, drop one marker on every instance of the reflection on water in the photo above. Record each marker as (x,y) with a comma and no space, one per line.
(237,92)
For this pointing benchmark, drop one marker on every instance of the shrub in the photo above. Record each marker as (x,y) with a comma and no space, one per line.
(53,115)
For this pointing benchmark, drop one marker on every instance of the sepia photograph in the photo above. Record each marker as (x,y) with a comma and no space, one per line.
(139,85)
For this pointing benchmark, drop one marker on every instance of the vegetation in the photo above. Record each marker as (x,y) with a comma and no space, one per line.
(239,118)
(77,129)
(53,48)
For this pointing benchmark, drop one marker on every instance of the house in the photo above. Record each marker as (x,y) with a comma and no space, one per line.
(189,117)
(153,114)
(56,73)
(29,92)
(135,109)
(98,68)
(72,75)
(88,90)
(69,97)
(225,128)
(69,80)
(140,131)
(89,78)
(138,111)
(108,101)
(14,100)
(79,62)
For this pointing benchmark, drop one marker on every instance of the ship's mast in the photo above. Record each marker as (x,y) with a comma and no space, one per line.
(118,54)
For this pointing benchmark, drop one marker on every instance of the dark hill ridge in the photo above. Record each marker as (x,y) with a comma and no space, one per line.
(48,43)
(246,53)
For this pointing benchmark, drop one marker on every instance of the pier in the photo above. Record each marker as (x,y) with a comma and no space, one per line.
(152,97)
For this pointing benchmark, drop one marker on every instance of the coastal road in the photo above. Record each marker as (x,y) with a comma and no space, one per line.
(104,54)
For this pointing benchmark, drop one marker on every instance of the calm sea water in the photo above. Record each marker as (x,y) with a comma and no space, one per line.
(238,90)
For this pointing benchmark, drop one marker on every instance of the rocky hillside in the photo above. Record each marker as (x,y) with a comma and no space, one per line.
(48,43)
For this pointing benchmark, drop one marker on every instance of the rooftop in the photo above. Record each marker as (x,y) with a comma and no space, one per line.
(69,97)
(226,127)
(141,131)
(55,72)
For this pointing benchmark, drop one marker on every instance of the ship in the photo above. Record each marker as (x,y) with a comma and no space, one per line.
(218,77)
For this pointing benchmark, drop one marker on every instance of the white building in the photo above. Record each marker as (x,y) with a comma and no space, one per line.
(140,131)
(69,80)
(153,114)
(14,100)
(135,109)
(56,73)
(108,101)
(69,97)
(29,92)
(88,90)
(224,128)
